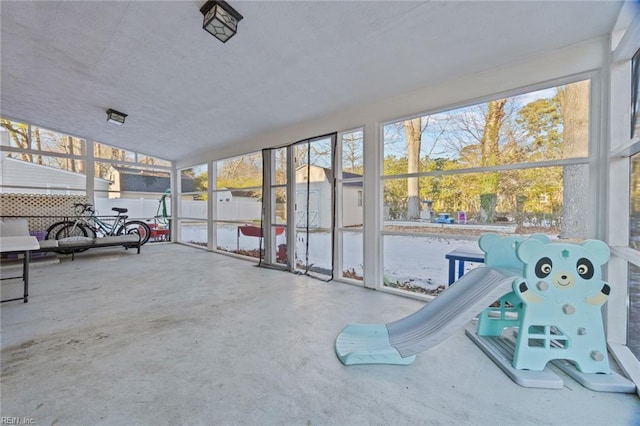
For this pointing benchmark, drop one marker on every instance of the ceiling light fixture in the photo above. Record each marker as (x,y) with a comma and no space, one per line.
(220,19)
(115,117)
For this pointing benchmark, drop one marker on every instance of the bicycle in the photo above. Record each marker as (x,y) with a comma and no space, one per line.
(93,226)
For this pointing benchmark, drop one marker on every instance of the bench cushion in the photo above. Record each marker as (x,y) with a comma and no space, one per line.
(118,239)
(75,241)
(46,244)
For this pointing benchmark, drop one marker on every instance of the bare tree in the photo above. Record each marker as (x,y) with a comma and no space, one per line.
(490,153)
(19,133)
(574,106)
(352,152)
(413,132)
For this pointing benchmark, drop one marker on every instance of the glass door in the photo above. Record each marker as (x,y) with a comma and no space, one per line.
(314,206)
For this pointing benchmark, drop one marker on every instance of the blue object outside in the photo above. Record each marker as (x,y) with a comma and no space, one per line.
(444,218)
(461,257)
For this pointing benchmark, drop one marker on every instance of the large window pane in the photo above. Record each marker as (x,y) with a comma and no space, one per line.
(238,195)
(634,202)
(279,176)
(147,159)
(15,134)
(43,174)
(133,182)
(352,153)
(112,153)
(352,255)
(20,135)
(143,191)
(550,124)
(240,172)
(239,205)
(350,192)
(194,179)
(193,232)
(314,206)
(194,182)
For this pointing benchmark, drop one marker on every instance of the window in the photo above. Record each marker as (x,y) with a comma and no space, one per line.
(37,160)
(238,209)
(350,181)
(194,212)
(634,202)
(511,165)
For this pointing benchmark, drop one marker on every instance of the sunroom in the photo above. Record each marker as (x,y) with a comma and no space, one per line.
(344,147)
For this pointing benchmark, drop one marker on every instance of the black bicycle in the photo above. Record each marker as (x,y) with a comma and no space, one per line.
(87,223)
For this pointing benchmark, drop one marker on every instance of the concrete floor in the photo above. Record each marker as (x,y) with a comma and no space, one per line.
(177,335)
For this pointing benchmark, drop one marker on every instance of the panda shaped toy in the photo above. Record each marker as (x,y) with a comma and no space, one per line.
(562,294)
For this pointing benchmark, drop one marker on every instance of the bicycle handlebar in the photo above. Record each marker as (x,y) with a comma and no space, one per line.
(86,207)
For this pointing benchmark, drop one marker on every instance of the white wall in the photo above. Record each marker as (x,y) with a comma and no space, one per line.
(248,209)
(242,209)
(352,213)
(23,173)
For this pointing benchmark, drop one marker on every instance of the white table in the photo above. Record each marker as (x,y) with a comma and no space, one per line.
(20,245)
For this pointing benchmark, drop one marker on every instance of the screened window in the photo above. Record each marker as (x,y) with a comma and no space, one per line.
(515,165)
(238,208)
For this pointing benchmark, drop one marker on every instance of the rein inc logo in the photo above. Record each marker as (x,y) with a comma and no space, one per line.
(5,420)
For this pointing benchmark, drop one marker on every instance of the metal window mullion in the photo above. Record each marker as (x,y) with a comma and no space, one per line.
(212,206)
(502,167)
(291,207)
(268,207)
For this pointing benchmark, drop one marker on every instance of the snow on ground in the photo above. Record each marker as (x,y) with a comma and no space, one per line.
(407,258)
(421,259)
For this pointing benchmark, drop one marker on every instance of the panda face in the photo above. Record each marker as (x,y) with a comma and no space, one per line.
(563,270)
(566,270)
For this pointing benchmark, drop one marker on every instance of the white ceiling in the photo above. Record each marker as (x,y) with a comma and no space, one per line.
(64,63)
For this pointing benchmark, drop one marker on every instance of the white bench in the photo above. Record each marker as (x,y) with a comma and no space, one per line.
(18,227)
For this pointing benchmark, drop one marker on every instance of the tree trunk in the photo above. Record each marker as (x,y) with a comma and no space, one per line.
(36,136)
(413,131)
(490,151)
(71,163)
(574,106)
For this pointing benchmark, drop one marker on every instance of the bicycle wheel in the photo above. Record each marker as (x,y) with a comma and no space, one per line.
(136,227)
(72,230)
(53,230)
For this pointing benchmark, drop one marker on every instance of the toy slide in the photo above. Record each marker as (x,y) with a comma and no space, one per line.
(539,302)
(398,342)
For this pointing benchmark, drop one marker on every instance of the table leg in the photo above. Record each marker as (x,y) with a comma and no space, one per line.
(25,274)
(452,271)
(460,268)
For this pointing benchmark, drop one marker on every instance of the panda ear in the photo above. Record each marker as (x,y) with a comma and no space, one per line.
(529,249)
(541,237)
(487,241)
(598,249)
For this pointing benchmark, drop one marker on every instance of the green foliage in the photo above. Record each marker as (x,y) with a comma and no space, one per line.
(518,134)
